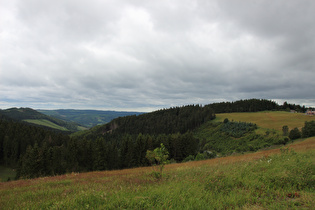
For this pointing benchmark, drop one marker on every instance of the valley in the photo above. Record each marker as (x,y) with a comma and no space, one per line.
(86,118)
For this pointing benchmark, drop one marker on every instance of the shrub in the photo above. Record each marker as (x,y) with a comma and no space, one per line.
(285,130)
(189,158)
(200,156)
(309,129)
(295,134)
(159,155)
(237,129)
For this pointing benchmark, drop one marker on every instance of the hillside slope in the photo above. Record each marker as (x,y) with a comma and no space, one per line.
(272,179)
(34,117)
(248,131)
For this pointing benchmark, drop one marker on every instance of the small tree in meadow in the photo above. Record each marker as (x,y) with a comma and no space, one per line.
(226,120)
(285,130)
(159,158)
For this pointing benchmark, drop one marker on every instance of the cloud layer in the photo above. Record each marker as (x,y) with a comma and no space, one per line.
(145,55)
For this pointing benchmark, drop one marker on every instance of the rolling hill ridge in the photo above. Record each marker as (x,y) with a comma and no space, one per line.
(86,118)
(34,117)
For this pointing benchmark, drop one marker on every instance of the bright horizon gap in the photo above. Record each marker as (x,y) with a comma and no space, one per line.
(140,109)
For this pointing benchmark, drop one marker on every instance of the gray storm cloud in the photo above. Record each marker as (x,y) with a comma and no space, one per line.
(135,55)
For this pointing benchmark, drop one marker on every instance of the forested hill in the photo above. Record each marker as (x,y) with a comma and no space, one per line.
(253,105)
(31,116)
(167,121)
(22,114)
(185,118)
(16,137)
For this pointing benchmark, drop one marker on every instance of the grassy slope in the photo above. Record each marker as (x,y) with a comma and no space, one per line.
(46,123)
(249,181)
(35,117)
(269,120)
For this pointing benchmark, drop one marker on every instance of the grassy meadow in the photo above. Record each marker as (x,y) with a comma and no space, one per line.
(269,120)
(46,123)
(271,179)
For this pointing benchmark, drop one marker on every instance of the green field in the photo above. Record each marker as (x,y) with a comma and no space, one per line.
(46,123)
(269,120)
(264,180)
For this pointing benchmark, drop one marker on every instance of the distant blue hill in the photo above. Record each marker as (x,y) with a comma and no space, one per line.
(87,118)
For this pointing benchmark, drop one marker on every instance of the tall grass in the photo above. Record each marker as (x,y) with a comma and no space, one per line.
(262,180)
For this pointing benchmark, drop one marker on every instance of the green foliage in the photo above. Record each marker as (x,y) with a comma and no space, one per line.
(237,129)
(217,137)
(160,155)
(250,105)
(253,105)
(285,130)
(15,137)
(200,156)
(295,134)
(209,154)
(189,158)
(286,106)
(167,121)
(309,129)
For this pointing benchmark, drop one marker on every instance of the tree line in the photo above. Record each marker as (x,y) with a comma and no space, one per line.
(82,155)
(172,120)
(254,105)
(16,136)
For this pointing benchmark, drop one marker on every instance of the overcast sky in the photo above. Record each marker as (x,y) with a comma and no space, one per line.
(146,55)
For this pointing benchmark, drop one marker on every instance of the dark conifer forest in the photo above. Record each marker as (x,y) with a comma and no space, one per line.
(36,151)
